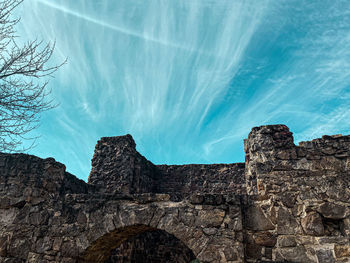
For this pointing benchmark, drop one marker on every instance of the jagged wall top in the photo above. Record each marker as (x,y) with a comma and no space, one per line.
(269,137)
(117,167)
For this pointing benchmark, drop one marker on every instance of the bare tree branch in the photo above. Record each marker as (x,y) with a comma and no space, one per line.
(23,96)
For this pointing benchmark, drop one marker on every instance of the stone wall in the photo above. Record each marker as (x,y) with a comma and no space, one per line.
(287,203)
(181,180)
(48,215)
(299,208)
(118,168)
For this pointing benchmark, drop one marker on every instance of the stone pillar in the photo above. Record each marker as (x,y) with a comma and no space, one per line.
(261,147)
(118,168)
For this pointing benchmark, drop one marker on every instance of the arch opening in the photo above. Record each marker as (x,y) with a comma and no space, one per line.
(138,243)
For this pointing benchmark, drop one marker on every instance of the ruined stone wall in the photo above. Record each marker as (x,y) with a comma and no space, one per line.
(299,208)
(32,194)
(118,168)
(287,203)
(48,215)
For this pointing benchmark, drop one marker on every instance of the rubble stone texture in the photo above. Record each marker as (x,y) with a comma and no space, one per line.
(286,203)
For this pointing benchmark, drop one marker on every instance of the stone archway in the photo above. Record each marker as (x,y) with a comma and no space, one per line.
(211,233)
(132,243)
(152,246)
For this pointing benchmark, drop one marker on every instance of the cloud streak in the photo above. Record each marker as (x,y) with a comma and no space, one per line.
(121,30)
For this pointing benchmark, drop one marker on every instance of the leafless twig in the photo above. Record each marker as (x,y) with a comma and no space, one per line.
(22,95)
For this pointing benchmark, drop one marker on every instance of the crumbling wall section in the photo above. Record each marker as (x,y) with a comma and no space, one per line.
(33,207)
(118,168)
(299,204)
(48,215)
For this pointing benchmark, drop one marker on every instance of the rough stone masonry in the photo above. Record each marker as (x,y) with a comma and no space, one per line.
(286,203)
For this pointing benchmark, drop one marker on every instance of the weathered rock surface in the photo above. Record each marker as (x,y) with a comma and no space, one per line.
(287,203)
(312,224)
(304,191)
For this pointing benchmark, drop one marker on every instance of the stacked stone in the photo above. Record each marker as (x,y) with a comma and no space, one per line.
(299,206)
(210,226)
(32,214)
(118,168)
(180,181)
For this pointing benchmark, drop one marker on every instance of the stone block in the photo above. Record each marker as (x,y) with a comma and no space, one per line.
(3,246)
(296,254)
(33,257)
(339,240)
(196,199)
(288,199)
(306,240)
(267,253)
(231,254)
(265,239)
(253,251)
(325,256)
(255,219)
(210,231)
(69,249)
(342,251)
(19,248)
(333,211)
(286,241)
(210,218)
(286,222)
(345,227)
(7,216)
(312,224)
(43,244)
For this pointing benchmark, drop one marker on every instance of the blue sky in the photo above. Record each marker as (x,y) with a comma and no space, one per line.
(189,78)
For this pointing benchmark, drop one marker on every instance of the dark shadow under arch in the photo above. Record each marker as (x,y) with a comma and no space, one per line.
(137,243)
